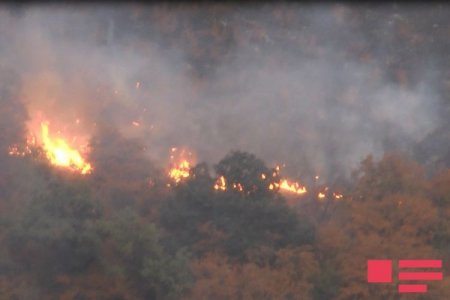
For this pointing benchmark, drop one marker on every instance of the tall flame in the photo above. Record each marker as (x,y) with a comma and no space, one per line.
(181,163)
(59,153)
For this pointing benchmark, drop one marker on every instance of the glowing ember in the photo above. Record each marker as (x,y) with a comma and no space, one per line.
(180,171)
(238,186)
(283,185)
(15,151)
(338,196)
(59,153)
(220,184)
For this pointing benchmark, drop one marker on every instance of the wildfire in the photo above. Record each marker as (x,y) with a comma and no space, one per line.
(238,186)
(59,153)
(286,185)
(220,184)
(16,150)
(180,165)
(180,171)
(338,196)
(293,187)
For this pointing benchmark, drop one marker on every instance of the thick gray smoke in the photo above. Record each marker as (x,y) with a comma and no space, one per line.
(302,94)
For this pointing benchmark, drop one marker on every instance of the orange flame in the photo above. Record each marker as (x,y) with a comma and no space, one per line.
(238,186)
(220,184)
(59,153)
(180,166)
(338,196)
(180,171)
(293,187)
(286,185)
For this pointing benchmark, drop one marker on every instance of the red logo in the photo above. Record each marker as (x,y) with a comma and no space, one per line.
(380,271)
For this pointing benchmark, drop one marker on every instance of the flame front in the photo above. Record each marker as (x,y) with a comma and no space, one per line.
(59,153)
(285,184)
(180,171)
(293,187)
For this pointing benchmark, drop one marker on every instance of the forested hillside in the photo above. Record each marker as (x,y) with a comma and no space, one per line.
(216,151)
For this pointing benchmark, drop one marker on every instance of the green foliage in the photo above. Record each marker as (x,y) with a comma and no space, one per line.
(118,159)
(197,212)
(56,233)
(63,244)
(138,257)
(326,283)
(389,176)
(191,206)
(251,224)
(246,169)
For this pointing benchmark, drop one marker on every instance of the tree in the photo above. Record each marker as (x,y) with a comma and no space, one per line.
(249,172)
(235,220)
(287,276)
(123,174)
(133,254)
(56,233)
(388,216)
(440,194)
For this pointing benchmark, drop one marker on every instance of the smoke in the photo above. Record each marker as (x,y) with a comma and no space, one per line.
(302,85)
